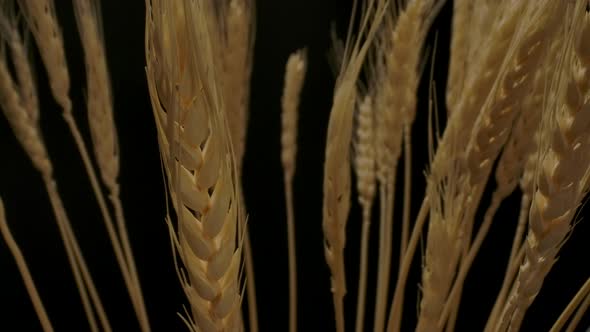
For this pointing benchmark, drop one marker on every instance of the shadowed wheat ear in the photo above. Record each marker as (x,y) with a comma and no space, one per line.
(197,154)
(336,186)
(42,22)
(559,189)
(104,138)
(294,78)
(14,100)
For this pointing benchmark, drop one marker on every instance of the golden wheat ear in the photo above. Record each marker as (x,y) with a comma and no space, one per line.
(198,158)
(294,78)
(562,166)
(337,166)
(105,142)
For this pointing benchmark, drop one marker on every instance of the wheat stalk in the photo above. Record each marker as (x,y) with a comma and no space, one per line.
(24,272)
(581,300)
(198,159)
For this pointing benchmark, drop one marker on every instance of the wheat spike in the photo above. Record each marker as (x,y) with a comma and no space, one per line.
(558,192)
(364,167)
(25,126)
(294,78)
(444,236)
(401,49)
(489,134)
(104,138)
(198,159)
(42,22)
(237,36)
(336,184)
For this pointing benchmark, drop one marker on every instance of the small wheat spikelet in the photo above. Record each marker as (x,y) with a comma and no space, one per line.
(198,160)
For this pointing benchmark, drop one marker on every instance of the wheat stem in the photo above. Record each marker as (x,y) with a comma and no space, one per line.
(407,189)
(24,271)
(580,312)
(507,284)
(250,284)
(571,307)
(395,313)
(514,259)
(81,275)
(387,191)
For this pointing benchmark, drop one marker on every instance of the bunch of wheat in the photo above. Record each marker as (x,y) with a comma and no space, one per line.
(517,91)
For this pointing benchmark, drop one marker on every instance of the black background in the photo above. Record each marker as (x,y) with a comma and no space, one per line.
(282,27)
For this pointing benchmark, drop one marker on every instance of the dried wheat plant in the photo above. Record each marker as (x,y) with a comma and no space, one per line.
(511,125)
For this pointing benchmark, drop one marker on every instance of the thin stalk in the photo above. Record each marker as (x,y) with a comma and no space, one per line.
(407,189)
(571,307)
(515,258)
(292,256)
(467,261)
(362,290)
(21,264)
(64,228)
(250,285)
(132,288)
(385,245)
(124,238)
(579,314)
(505,289)
(396,309)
